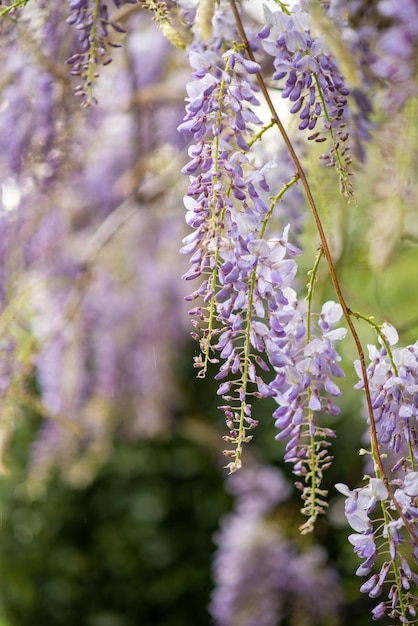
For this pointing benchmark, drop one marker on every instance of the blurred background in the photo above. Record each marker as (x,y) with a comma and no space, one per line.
(115,509)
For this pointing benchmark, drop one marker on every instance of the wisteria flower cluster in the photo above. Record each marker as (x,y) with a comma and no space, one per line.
(393,385)
(381,37)
(252,584)
(392,379)
(240,267)
(91,19)
(382,535)
(311,81)
(305,388)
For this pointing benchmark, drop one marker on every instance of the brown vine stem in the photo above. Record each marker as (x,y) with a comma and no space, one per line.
(327,253)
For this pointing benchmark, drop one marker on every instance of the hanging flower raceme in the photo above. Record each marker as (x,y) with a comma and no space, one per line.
(393,382)
(244,272)
(379,533)
(306,363)
(392,379)
(91,19)
(251,585)
(312,83)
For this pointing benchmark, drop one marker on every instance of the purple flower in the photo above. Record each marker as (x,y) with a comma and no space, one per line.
(398,41)
(393,387)
(258,489)
(252,587)
(90,250)
(361,502)
(245,269)
(312,82)
(382,36)
(373,537)
(304,387)
(91,20)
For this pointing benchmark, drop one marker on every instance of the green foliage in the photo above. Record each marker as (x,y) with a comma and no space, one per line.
(132,548)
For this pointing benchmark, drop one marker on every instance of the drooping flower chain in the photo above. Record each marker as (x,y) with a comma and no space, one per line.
(305,360)
(379,532)
(312,82)
(91,19)
(393,383)
(228,210)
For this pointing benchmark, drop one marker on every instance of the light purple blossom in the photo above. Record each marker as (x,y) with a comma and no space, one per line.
(393,387)
(93,26)
(399,42)
(360,502)
(392,379)
(245,272)
(92,249)
(369,537)
(382,36)
(260,576)
(248,276)
(304,387)
(312,82)
(258,489)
